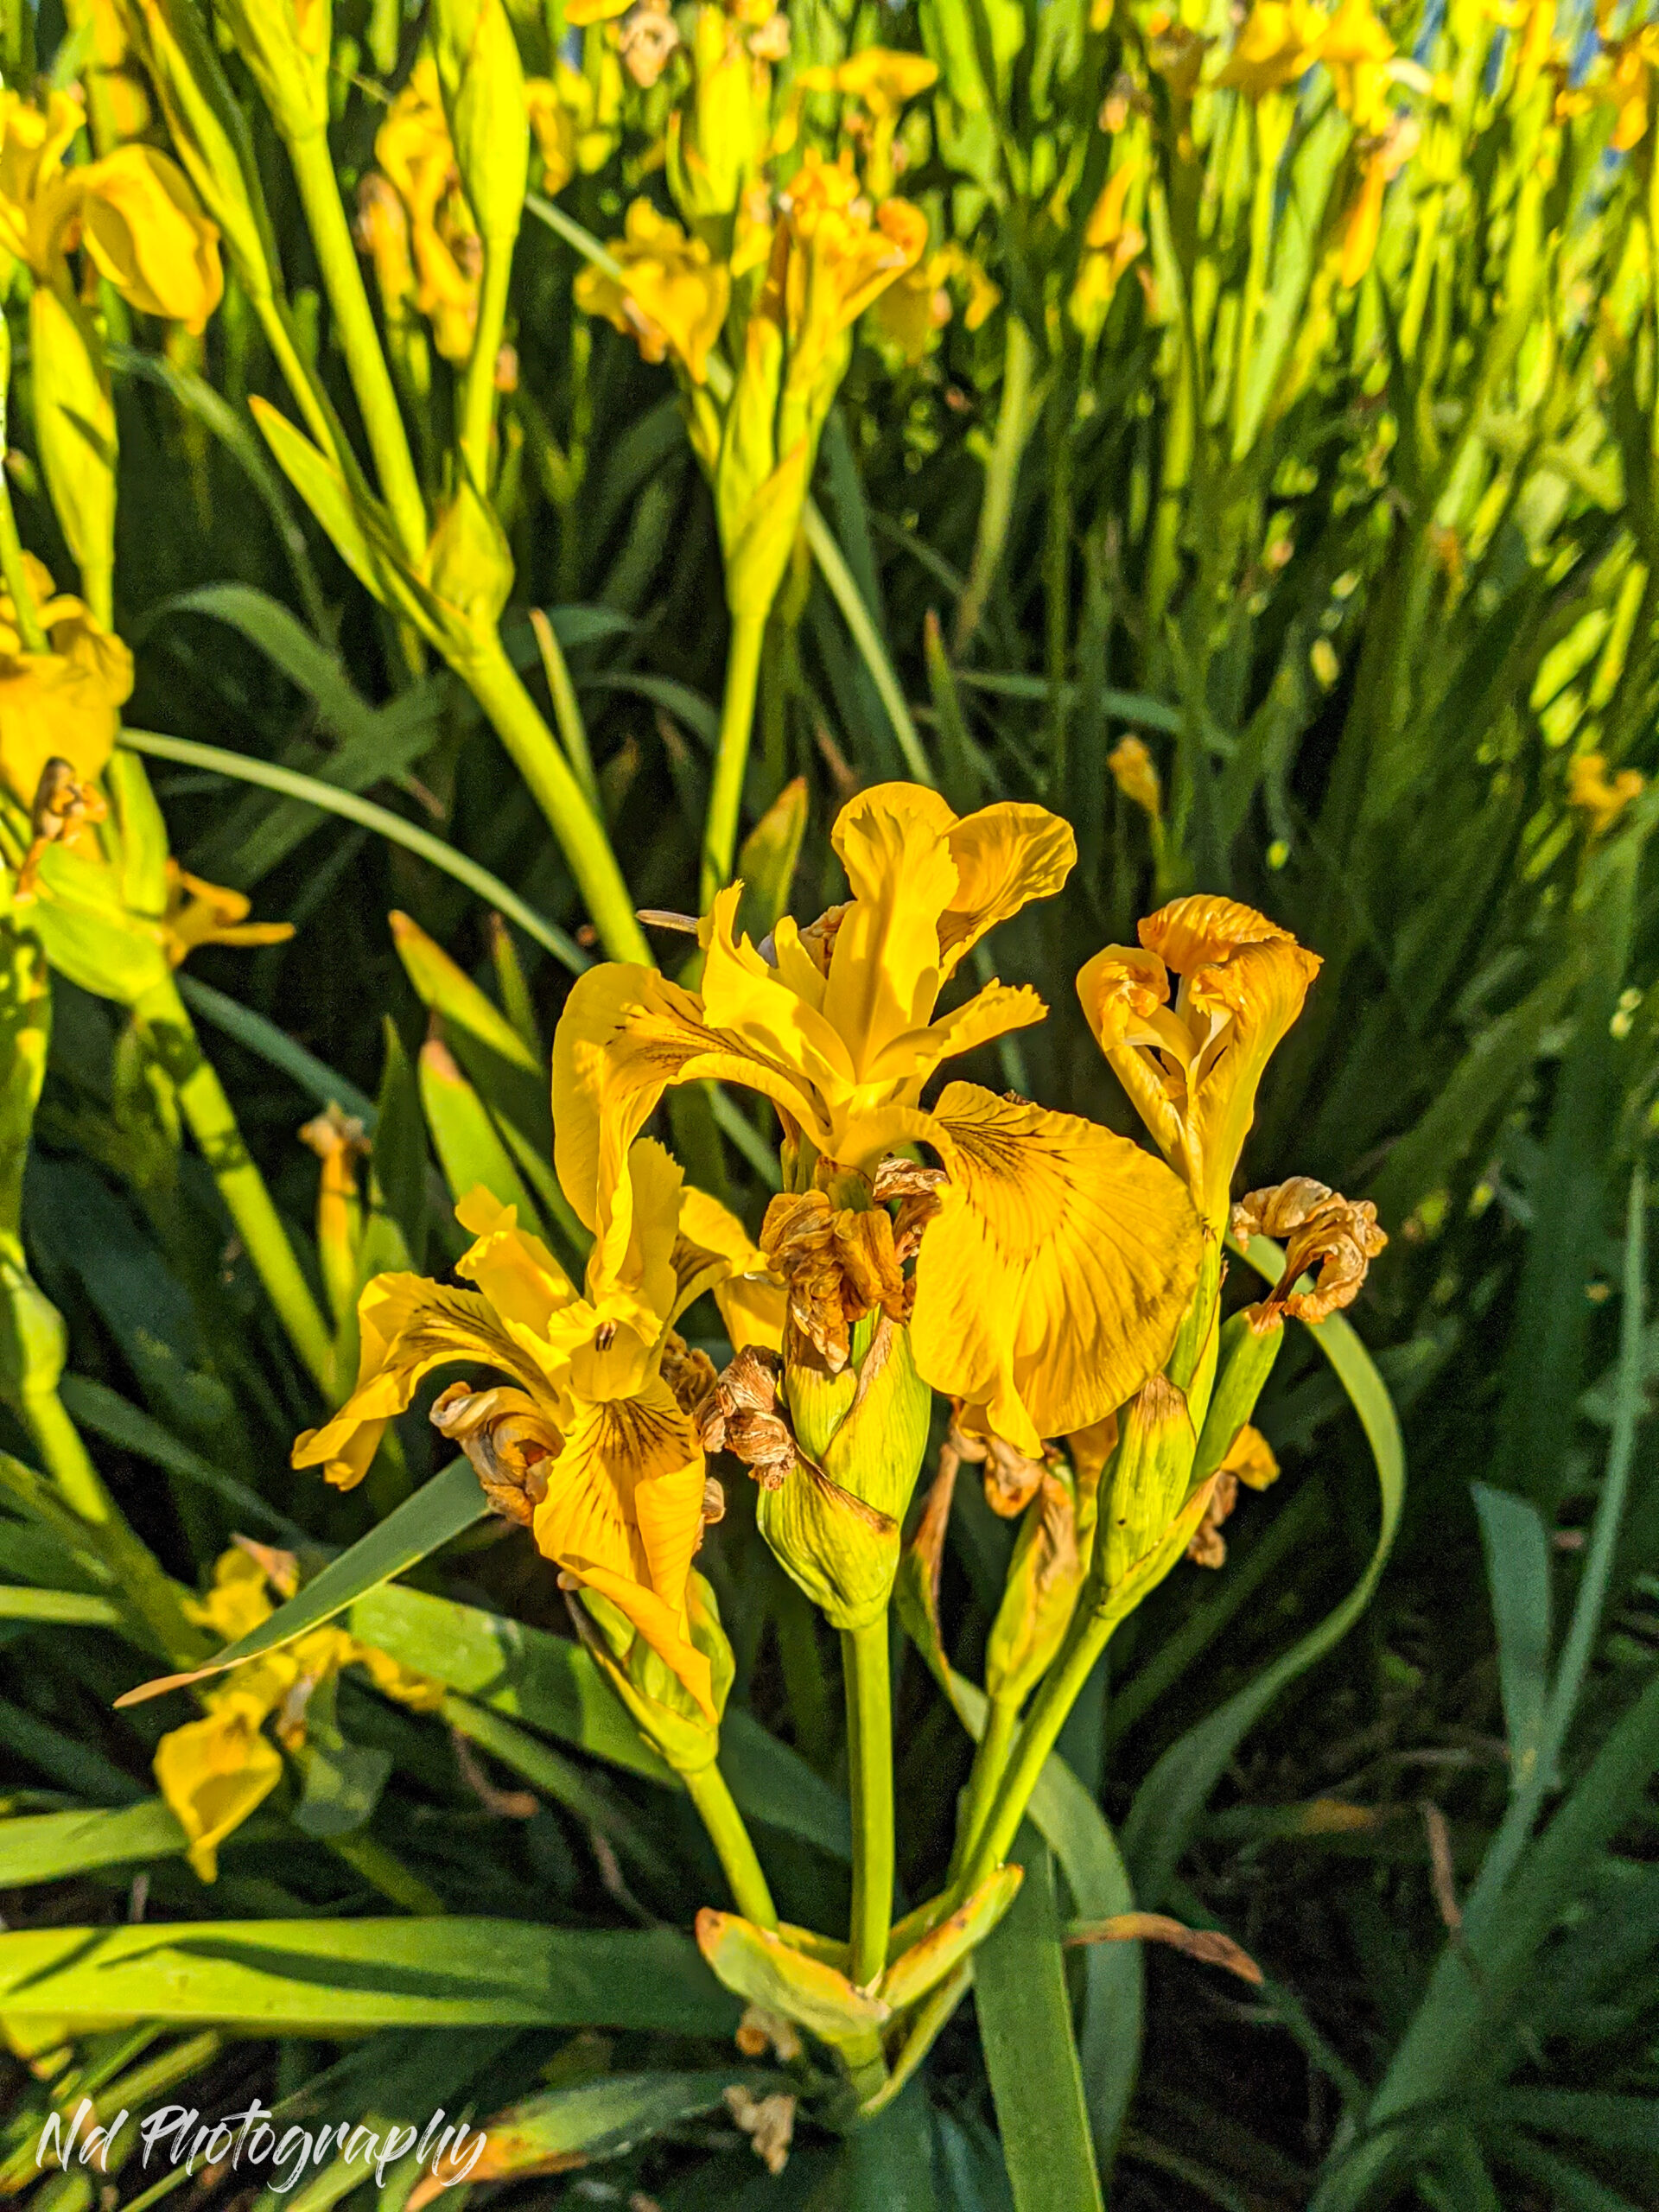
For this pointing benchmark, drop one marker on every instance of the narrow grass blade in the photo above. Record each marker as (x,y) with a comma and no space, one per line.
(51,1847)
(332,1978)
(242,768)
(1025,2030)
(1168,1805)
(1517,1545)
(441,1509)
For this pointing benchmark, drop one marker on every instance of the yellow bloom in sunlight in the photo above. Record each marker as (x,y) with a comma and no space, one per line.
(1111,241)
(1278,43)
(673,294)
(1192,1069)
(413,150)
(1598,796)
(554,127)
(1361,227)
(143,228)
(64,705)
(206,914)
(214,1772)
(839,257)
(882,78)
(36,200)
(588,1431)
(1357,51)
(1050,1280)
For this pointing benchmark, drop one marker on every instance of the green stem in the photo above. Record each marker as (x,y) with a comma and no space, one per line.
(213,1124)
(736,724)
(1013,423)
(843,589)
(478,392)
(1272,128)
(359,340)
(495,683)
(865,1665)
(1061,1687)
(567,708)
(29,632)
(279,337)
(990,1761)
(707,1790)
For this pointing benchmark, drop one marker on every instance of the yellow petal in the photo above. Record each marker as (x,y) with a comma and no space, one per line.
(1005,856)
(145,230)
(213,1773)
(623,1513)
(750,1299)
(515,1271)
(626,1034)
(1052,1282)
(408,1326)
(885,969)
(1261,986)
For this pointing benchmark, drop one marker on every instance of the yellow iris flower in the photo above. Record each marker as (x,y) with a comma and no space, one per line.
(589,1426)
(416,154)
(215,1771)
(134,213)
(64,704)
(1357,51)
(673,294)
(1278,43)
(1192,1069)
(1050,1283)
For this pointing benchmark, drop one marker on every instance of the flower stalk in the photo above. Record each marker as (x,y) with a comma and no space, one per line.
(734,1845)
(867,1668)
(732,751)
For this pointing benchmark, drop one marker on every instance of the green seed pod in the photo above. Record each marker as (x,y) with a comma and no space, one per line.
(1149,1504)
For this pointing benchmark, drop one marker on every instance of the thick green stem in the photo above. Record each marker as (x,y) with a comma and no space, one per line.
(727,1831)
(495,683)
(213,1124)
(1061,1688)
(732,756)
(990,1761)
(477,390)
(359,340)
(865,1665)
(319,416)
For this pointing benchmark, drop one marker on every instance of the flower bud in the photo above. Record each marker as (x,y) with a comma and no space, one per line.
(468,563)
(1044,1577)
(1247,1356)
(483,88)
(834,1521)
(715,143)
(1150,1505)
(285,44)
(145,230)
(664,1710)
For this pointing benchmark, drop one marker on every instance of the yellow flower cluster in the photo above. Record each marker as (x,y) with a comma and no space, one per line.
(63,704)
(216,1771)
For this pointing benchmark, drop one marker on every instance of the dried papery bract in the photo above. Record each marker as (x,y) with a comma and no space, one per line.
(1324,1230)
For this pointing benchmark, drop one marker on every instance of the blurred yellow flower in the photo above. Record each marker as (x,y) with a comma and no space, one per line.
(841,256)
(882,79)
(1111,241)
(1135,773)
(215,1771)
(1048,1285)
(588,1442)
(199,913)
(64,705)
(1192,1069)
(1382,159)
(135,213)
(1357,50)
(144,229)
(673,294)
(553,123)
(1601,798)
(413,150)
(1278,43)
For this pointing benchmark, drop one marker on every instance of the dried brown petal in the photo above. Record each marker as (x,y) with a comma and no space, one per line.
(769,2123)
(1322,1229)
(510,1441)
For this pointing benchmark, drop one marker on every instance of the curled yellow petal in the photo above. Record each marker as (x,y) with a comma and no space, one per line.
(214,1772)
(144,229)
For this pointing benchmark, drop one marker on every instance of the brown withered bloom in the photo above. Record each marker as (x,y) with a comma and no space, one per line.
(511,1443)
(740,1416)
(840,1264)
(647,37)
(65,803)
(1322,1229)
